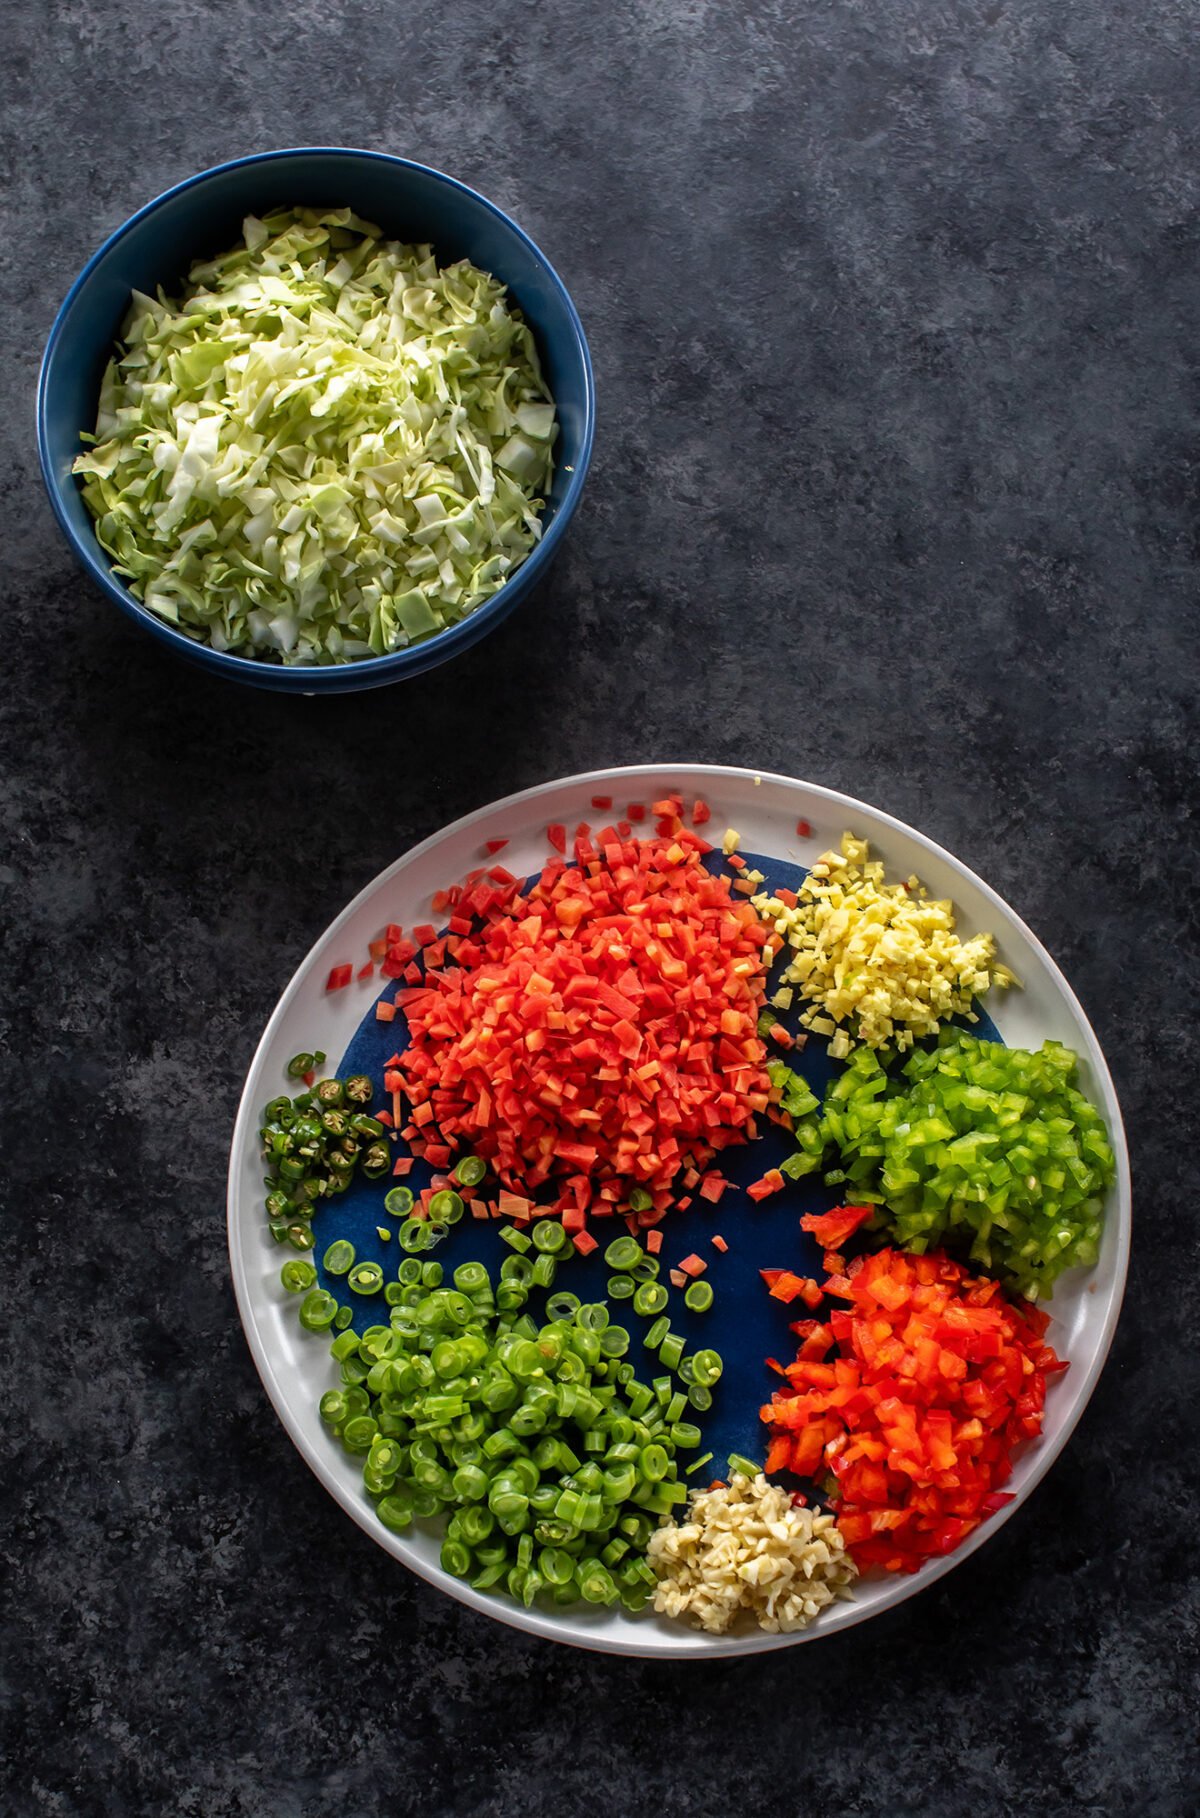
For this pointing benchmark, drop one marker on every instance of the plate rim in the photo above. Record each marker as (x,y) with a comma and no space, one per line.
(540,1623)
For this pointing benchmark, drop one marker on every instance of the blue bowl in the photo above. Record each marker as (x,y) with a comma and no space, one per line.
(204,215)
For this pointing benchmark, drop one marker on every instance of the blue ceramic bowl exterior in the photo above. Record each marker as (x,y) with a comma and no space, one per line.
(202,216)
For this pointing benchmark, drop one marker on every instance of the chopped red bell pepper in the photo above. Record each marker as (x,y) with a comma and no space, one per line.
(831,1229)
(935,1378)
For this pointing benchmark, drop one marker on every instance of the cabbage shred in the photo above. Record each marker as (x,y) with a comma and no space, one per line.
(329,449)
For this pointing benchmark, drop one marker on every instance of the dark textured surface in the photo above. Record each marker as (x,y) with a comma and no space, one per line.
(894,312)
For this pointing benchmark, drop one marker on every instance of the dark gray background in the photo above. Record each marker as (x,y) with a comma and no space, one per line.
(894,315)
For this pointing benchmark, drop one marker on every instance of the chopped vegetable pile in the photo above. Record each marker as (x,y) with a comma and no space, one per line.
(987,1148)
(555,1462)
(880,962)
(597,1037)
(914,1398)
(312,1145)
(588,1045)
(328,449)
(749,1546)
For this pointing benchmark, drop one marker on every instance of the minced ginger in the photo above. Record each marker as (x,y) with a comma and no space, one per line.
(881,958)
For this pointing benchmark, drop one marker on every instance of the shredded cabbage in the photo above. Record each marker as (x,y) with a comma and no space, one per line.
(327,450)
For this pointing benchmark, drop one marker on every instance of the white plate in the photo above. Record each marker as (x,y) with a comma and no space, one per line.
(296,1369)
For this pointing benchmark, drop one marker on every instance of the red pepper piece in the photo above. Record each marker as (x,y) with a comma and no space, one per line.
(831,1229)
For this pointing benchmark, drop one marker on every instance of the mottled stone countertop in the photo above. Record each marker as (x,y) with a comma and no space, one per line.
(894,312)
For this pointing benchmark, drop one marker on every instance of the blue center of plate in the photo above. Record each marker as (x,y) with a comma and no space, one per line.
(743,1324)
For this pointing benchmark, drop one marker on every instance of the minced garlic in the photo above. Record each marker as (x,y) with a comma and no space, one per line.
(748,1547)
(881,958)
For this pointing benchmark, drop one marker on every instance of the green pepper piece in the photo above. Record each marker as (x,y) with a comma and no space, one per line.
(377,1161)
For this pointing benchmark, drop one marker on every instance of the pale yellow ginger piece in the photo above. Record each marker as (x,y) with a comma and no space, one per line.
(748,1548)
(877,962)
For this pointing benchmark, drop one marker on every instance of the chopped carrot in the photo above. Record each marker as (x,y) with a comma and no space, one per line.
(718,1243)
(654,1242)
(693,1265)
(384,1012)
(569,1040)
(678,1278)
(585,1243)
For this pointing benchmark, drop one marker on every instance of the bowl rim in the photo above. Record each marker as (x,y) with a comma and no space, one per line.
(414,657)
